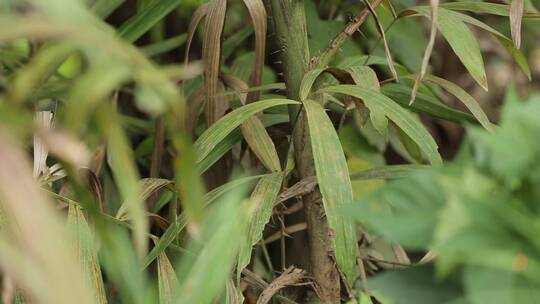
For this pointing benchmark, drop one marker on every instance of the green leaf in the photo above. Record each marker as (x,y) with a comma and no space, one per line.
(167,281)
(425,104)
(388,172)
(144,20)
(164,46)
(455,16)
(463,42)
(334,184)
(464,97)
(520,59)
(485,8)
(180,223)
(262,203)
(422,287)
(234,137)
(401,117)
(86,251)
(260,143)
(307,82)
(103,8)
(214,251)
(189,184)
(126,177)
(224,126)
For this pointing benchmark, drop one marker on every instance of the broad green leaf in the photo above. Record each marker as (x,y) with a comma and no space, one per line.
(260,143)
(307,82)
(464,97)
(366,78)
(234,137)
(167,281)
(86,251)
(401,117)
(520,59)
(224,126)
(425,104)
(334,184)
(464,44)
(507,43)
(262,203)
(361,75)
(144,20)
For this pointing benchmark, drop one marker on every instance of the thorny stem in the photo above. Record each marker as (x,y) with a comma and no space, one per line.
(288,18)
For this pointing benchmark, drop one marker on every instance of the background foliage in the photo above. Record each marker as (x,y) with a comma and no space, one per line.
(167,151)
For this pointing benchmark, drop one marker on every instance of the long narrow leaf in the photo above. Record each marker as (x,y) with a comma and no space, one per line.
(397,114)
(262,203)
(334,183)
(218,131)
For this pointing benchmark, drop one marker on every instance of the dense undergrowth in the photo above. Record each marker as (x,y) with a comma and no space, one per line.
(276,151)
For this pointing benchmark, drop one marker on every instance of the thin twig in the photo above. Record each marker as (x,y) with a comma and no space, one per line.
(339,40)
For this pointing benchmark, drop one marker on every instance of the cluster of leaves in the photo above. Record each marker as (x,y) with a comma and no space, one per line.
(82,225)
(478,216)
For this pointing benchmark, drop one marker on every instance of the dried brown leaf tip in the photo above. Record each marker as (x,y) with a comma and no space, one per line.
(516,15)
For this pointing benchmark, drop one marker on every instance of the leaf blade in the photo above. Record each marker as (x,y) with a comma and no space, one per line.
(334,183)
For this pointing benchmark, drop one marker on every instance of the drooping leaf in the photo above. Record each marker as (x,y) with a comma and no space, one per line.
(425,104)
(167,281)
(260,143)
(86,251)
(262,203)
(465,98)
(334,184)
(395,113)
(258,18)
(213,252)
(217,132)
(189,184)
(516,14)
(126,176)
(211,54)
(462,42)
(455,16)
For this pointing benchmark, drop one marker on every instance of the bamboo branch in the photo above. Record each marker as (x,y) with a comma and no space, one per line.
(353,26)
